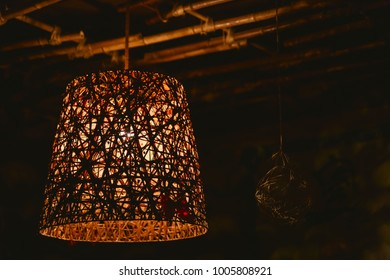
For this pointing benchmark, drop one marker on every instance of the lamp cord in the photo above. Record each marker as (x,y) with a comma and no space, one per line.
(127,31)
(278,78)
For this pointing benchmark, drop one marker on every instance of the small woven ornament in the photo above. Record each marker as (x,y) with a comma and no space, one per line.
(282,193)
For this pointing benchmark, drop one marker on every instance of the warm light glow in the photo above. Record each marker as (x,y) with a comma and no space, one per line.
(124,166)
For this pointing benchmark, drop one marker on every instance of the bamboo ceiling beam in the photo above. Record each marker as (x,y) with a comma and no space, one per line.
(194,49)
(188,9)
(39,24)
(179,10)
(138,40)
(173,53)
(56,37)
(53,40)
(197,52)
(27,10)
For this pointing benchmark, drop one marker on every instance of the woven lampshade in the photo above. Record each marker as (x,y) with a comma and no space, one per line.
(124,166)
(283,193)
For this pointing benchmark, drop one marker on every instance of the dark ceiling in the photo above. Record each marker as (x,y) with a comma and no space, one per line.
(331,64)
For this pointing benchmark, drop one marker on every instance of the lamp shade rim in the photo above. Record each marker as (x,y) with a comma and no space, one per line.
(123,231)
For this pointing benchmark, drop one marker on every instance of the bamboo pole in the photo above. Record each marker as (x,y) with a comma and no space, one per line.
(196,52)
(74,37)
(182,10)
(138,40)
(37,23)
(27,10)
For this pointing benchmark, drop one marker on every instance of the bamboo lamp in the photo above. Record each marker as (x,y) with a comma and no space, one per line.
(124,166)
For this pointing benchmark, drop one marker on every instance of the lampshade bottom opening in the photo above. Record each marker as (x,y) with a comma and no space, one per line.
(124,231)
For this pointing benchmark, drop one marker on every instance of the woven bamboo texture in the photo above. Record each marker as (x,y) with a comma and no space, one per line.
(124,166)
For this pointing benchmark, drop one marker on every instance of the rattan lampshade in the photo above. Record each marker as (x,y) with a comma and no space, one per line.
(124,166)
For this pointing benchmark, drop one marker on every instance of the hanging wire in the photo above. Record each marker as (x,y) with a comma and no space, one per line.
(278,78)
(282,192)
(127,33)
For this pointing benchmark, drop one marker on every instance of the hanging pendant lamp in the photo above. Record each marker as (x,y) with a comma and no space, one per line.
(282,193)
(124,166)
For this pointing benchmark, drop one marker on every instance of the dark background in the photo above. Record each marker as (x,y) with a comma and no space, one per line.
(336,117)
